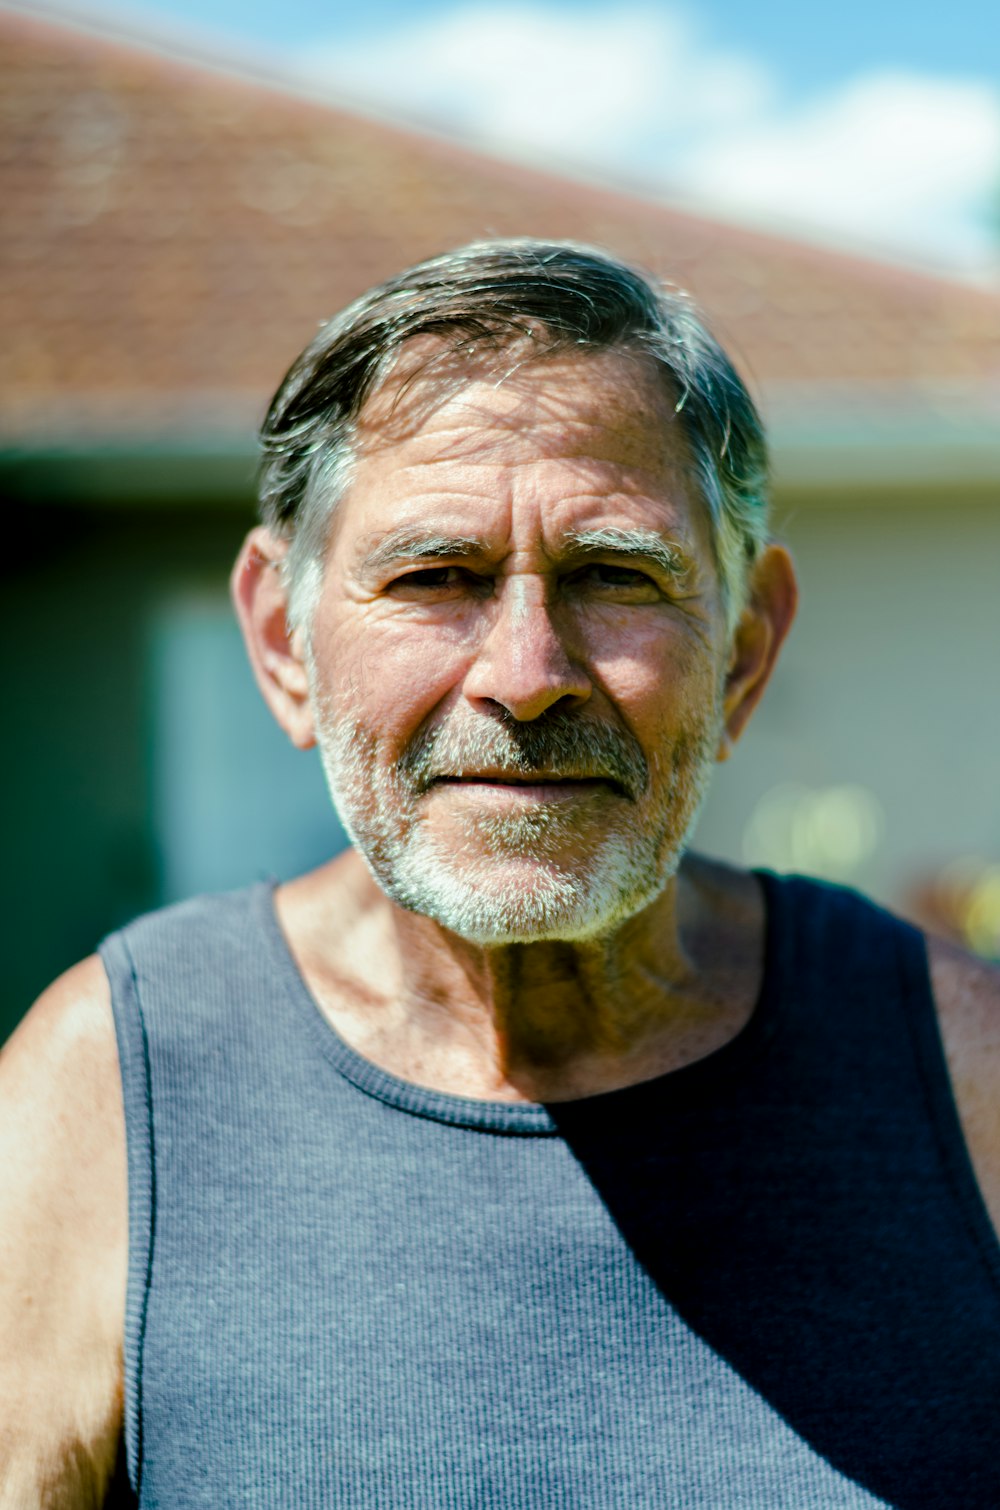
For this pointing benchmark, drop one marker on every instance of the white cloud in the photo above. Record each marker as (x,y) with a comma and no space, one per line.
(894,159)
(590,87)
(902,161)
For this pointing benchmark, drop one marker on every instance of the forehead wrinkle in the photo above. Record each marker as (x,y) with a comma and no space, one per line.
(473,442)
(627,423)
(470,450)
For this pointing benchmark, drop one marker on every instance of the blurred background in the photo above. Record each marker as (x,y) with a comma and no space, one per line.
(189,188)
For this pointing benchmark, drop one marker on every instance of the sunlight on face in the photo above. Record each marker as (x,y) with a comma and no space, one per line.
(544,870)
(516,660)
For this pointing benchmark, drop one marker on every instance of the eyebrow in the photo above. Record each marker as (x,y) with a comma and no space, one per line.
(635,545)
(647,546)
(406,544)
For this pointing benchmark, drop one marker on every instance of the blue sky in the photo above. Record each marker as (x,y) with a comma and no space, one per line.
(811,45)
(868,125)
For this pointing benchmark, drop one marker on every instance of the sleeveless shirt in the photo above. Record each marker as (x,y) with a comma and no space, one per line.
(765,1281)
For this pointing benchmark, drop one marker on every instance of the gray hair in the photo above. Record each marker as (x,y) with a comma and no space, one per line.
(491,296)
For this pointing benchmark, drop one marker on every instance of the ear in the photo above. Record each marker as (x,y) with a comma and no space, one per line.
(276,652)
(757,639)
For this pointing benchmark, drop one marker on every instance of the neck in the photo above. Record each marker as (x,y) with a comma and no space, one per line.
(545,1021)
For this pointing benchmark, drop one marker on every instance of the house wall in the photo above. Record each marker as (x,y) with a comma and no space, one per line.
(140,764)
(80,594)
(887,697)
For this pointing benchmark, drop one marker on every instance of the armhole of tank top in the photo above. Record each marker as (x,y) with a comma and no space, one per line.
(939,1095)
(133,1060)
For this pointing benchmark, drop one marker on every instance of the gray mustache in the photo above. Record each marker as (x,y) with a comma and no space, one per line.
(558,746)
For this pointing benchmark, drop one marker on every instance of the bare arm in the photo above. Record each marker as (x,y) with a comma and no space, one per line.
(63,1249)
(967,992)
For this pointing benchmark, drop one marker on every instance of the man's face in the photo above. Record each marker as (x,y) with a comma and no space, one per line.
(518,654)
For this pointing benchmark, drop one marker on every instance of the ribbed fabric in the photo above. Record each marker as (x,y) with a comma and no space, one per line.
(766,1281)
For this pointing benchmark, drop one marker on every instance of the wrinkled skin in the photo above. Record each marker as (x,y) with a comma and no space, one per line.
(523,549)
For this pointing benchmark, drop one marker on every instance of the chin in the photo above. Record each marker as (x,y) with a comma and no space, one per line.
(493,902)
(548,872)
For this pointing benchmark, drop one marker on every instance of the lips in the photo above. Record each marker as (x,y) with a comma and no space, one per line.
(534,780)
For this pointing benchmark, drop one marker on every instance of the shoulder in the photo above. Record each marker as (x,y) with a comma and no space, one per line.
(73,1016)
(61,1096)
(967,996)
(63,1240)
(966,989)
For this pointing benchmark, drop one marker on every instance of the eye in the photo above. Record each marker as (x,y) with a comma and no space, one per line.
(617,581)
(430,576)
(437,582)
(619,576)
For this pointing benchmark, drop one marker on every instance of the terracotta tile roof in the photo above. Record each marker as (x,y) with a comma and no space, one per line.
(172,234)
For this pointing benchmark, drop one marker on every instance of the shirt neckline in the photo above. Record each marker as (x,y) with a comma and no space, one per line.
(518,1118)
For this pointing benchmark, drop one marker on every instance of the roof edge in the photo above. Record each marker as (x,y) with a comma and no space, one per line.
(188,46)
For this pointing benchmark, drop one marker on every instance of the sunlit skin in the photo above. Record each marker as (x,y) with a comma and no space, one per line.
(529,544)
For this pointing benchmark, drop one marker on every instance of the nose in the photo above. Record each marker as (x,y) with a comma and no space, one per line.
(523,663)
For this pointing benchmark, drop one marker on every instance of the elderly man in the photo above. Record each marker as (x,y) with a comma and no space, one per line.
(518,1158)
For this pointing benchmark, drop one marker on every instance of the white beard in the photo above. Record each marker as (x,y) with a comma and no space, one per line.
(509,880)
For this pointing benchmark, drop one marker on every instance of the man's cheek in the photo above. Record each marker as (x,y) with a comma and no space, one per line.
(402,676)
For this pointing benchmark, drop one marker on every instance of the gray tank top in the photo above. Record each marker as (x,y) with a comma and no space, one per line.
(766,1281)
